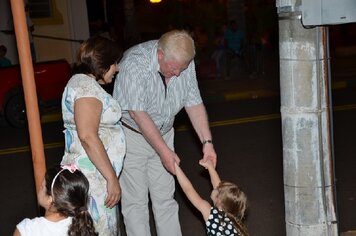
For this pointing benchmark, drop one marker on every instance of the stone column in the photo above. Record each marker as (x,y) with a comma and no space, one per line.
(309,184)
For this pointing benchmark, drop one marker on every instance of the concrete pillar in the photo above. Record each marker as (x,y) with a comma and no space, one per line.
(309,185)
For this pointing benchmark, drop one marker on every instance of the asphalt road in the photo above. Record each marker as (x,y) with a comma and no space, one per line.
(247,137)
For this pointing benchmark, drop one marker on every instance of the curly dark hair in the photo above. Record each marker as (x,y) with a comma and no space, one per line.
(70,198)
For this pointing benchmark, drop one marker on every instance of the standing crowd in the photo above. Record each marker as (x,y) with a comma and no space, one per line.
(121,147)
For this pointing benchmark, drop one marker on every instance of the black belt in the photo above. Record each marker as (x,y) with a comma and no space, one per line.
(130,128)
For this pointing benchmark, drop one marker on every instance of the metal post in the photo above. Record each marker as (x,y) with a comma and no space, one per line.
(29,86)
(309,184)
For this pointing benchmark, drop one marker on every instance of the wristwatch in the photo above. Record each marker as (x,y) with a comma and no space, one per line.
(207,141)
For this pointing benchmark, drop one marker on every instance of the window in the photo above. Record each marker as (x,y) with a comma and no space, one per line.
(44,12)
(40,8)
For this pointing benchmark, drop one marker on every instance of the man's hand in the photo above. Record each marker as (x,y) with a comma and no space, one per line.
(169,161)
(209,153)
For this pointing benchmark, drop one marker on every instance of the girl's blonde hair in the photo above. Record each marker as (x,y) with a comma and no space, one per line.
(234,203)
(177,45)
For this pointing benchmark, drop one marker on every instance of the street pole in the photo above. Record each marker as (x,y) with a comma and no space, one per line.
(29,87)
(309,184)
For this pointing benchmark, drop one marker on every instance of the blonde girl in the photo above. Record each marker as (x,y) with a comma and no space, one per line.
(229,203)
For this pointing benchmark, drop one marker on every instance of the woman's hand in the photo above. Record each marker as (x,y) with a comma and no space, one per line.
(113,193)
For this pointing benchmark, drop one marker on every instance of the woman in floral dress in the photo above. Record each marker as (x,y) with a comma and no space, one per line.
(94,138)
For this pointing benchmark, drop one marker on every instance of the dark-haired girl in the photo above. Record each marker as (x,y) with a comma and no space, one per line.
(64,196)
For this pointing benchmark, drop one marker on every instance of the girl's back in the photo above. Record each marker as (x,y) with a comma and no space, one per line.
(40,226)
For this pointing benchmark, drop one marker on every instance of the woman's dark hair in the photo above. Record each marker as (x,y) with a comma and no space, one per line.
(70,198)
(95,56)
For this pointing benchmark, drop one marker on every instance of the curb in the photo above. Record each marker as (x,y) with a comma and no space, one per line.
(51,117)
(228,97)
(240,95)
(349,83)
(263,93)
(349,233)
(254,94)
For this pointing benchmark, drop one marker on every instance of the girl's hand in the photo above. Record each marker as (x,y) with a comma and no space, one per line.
(206,163)
(170,160)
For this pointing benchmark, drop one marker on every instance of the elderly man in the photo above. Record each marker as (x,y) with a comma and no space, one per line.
(156,80)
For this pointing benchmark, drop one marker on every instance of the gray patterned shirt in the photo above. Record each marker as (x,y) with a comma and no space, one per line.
(139,87)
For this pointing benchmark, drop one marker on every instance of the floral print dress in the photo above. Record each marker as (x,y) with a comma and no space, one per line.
(112,137)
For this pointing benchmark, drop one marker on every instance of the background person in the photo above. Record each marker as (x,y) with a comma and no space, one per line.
(94,139)
(234,38)
(64,196)
(218,54)
(157,79)
(230,203)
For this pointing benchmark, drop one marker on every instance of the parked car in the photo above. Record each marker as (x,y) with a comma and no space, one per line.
(50,77)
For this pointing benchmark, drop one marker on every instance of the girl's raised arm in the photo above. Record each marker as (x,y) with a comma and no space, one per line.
(202,205)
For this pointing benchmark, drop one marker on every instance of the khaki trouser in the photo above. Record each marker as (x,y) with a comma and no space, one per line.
(143,175)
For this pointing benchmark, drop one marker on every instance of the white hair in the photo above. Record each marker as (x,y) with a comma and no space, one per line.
(177,45)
